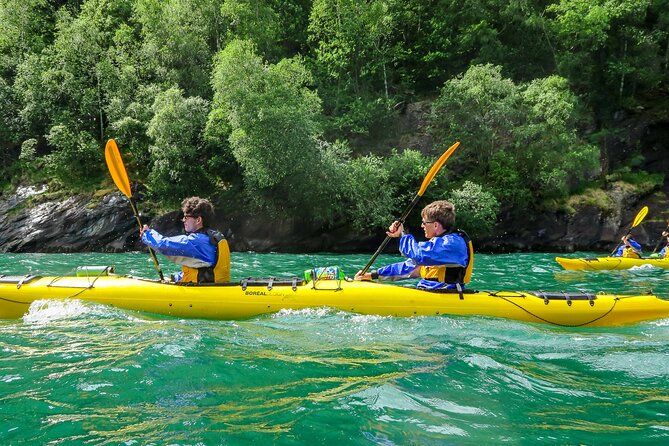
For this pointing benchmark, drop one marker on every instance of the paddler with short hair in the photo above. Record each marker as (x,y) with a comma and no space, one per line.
(445,260)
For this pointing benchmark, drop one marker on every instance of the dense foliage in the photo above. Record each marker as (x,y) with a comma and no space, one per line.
(271,102)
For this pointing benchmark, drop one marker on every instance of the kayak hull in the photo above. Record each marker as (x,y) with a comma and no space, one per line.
(237,301)
(608,263)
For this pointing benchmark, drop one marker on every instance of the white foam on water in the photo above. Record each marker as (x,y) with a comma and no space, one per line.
(47,310)
(662,323)
(43,311)
(364,318)
(86,387)
(646,266)
(310,312)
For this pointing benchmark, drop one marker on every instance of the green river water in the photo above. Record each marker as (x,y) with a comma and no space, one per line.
(86,374)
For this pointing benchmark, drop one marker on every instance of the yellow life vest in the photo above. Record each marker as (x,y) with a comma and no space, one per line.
(452,273)
(631,253)
(218,273)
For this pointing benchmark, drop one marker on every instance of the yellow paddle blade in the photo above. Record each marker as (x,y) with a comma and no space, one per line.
(435,168)
(640,216)
(117,168)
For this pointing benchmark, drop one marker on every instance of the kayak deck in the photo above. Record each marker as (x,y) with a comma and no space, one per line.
(255,297)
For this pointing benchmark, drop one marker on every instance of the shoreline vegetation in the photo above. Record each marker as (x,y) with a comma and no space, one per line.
(320,118)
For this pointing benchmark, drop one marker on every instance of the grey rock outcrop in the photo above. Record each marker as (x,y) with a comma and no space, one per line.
(32,222)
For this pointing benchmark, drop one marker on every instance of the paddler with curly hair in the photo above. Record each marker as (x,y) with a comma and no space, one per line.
(445,260)
(202,252)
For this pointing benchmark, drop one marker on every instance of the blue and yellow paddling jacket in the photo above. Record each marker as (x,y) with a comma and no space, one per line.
(444,261)
(204,256)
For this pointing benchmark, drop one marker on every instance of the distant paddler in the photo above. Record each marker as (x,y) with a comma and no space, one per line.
(665,249)
(628,247)
(663,237)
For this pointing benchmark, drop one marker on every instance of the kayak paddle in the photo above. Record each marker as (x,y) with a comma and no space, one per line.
(426,182)
(120,177)
(662,238)
(637,220)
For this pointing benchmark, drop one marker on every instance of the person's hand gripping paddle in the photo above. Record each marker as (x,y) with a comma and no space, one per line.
(426,182)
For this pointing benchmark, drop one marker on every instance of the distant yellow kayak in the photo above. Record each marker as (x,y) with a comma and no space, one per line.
(604,263)
(254,297)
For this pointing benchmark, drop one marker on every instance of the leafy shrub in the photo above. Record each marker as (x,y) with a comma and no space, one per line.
(508,183)
(76,156)
(371,201)
(406,171)
(476,209)
(178,160)
(644,181)
(516,137)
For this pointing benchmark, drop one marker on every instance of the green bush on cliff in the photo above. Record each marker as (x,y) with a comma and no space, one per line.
(178,158)
(369,201)
(594,197)
(516,138)
(476,209)
(643,181)
(76,160)
(406,170)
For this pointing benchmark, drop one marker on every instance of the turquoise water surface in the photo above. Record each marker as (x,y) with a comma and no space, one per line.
(82,373)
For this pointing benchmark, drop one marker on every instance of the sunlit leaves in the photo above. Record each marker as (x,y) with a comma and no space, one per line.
(518,138)
(177,155)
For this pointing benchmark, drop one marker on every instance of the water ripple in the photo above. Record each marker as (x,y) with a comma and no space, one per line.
(80,373)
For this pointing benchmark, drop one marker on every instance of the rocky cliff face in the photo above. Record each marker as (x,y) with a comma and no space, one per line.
(32,223)
(84,223)
(588,229)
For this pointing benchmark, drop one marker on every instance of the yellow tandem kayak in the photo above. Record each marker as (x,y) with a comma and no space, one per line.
(606,263)
(254,297)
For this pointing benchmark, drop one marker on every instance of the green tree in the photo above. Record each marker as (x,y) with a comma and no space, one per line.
(480,108)
(352,61)
(606,47)
(179,163)
(274,121)
(369,204)
(548,145)
(27,28)
(9,124)
(131,78)
(75,159)
(521,140)
(253,20)
(406,170)
(476,209)
(436,40)
(183,36)
(61,86)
